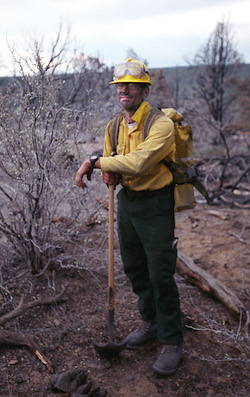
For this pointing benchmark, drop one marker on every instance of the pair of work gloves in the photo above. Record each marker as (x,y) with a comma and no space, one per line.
(76,384)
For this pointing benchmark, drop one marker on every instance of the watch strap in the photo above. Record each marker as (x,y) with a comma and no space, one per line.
(93,160)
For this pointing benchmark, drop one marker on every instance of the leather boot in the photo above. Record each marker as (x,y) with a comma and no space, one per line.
(168,360)
(141,336)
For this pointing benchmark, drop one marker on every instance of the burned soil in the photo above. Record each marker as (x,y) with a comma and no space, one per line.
(216,348)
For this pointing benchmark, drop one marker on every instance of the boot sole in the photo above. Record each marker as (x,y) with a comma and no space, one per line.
(160,371)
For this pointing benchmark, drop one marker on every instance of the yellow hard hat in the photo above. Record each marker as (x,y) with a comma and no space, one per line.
(131,71)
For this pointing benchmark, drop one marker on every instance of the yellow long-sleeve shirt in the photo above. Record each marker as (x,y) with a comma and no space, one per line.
(137,160)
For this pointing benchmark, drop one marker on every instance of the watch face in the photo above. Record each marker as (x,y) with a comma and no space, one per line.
(93,159)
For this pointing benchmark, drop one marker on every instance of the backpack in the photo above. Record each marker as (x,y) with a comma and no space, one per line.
(184,172)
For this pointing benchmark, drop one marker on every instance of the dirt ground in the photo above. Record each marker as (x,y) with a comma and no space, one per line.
(216,348)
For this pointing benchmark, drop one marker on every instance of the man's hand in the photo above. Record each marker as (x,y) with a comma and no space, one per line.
(110,178)
(85,169)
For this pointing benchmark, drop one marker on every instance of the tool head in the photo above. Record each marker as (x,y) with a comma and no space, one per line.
(110,349)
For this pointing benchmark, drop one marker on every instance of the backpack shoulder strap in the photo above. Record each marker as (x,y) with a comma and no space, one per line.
(114,131)
(148,122)
(150,118)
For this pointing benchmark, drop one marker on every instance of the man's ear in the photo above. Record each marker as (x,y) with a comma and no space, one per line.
(145,92)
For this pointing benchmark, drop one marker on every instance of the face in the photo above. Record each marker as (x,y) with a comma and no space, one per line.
(131,95)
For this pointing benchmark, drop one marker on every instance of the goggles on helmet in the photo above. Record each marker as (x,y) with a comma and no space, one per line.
(133,69)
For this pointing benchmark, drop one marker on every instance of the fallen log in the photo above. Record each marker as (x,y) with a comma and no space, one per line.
(201,278)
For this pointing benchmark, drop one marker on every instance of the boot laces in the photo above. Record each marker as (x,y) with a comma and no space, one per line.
(144,327)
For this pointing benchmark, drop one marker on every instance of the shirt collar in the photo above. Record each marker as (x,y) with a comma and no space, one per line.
(140,113)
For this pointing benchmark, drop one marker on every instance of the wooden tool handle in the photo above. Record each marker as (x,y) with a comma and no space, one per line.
(111,237)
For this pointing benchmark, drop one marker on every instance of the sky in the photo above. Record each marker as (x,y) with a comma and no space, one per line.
(166,33)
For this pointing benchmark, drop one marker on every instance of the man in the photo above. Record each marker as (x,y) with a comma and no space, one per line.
(145,213)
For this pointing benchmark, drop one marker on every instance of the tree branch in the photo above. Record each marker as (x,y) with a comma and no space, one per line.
(22,307)
(13,338)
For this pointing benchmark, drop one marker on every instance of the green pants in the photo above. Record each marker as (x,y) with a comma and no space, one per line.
(146,235)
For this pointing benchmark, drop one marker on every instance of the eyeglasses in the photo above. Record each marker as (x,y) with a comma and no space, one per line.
(134,69)
(129,86)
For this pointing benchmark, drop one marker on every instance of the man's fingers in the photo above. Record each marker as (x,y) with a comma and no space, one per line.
(109,178)
(85,169)
(80,182)
(89,175)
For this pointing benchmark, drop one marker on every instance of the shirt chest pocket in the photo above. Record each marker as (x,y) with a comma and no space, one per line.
(128,141)
(134,139)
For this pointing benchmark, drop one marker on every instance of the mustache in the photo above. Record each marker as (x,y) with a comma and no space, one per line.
(123,94)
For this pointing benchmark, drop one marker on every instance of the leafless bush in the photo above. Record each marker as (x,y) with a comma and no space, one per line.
(224,335)
(40,133)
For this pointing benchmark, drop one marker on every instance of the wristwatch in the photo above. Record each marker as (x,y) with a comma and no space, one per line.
(93,160)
